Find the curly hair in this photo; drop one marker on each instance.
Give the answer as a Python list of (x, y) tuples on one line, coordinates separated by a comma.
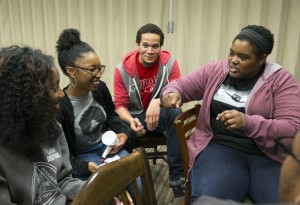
[(25, 119), (70, 48), (149, 28), (263, 32)]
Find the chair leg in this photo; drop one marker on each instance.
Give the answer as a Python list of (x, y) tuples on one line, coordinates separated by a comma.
[(155, 154)]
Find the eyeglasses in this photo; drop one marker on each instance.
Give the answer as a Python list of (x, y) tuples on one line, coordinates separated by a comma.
[(94, 71), (285, 149)]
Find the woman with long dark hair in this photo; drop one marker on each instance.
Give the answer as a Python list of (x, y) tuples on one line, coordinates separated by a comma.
[(34, 156)]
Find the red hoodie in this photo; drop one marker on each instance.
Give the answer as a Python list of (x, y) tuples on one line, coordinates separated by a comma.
[(121, 98)]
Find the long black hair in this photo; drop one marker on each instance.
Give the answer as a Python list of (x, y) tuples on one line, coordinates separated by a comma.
[(25, 106)]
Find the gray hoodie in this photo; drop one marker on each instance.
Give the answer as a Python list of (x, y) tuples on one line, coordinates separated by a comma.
[(48, 181)]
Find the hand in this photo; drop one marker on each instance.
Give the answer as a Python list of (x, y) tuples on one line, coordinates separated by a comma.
[(137, 127), (92, 166), (152, 114), (172, 100), (232, 119), (122, 140)]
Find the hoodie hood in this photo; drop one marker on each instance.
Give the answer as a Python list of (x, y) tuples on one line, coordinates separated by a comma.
[(129, 61)]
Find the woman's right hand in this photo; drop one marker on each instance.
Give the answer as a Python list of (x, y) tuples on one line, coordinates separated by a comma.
[(92, 167), (172, 100)]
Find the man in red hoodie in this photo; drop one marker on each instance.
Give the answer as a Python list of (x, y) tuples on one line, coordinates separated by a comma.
[(138, 81)]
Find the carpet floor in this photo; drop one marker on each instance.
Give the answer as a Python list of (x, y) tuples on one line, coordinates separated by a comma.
[(160, 175)]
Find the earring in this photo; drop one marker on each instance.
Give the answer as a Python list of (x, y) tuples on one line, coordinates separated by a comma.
[(74, 84)]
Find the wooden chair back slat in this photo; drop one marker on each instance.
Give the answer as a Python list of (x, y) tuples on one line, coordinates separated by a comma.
[(112, 179), (185, 125)]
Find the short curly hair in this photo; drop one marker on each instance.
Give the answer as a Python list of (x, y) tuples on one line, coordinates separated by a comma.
[(25, 105), (149, 28)]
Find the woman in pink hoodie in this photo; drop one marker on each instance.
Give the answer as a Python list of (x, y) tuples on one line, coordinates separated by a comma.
[(247, 102)]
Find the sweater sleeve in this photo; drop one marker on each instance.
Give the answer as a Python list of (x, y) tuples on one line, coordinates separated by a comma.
[(106, 100), (121, 98), (5, 197), (69, 186), (113, 121), (190, 87), (280, 115)]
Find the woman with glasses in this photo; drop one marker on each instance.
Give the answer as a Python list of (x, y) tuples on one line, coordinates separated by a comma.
[(247, 102), (87, 110)]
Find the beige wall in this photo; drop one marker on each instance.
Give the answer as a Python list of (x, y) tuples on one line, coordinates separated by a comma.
[(203, 29)]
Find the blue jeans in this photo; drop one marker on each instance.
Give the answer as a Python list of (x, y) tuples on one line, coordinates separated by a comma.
[(166, 124), (94, 154), (227, 173)]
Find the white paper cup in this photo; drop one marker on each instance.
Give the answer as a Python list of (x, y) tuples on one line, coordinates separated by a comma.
[(110, 138), (106, 151)]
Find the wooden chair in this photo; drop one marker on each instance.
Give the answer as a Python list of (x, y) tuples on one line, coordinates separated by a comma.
[(112, 179), (185, 124), (152, 141)]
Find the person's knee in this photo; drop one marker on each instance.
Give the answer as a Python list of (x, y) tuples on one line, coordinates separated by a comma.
[(174, 111), (130, 143), (171, 114)]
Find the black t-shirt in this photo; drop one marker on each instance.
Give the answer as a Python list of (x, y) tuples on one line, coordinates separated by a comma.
[(232, 95)]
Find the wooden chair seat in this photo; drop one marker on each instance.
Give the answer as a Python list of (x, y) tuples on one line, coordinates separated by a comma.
[(151, 142), (185, 125), (112, 179)]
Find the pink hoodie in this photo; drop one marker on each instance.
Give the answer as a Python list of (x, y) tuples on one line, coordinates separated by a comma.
[(272, 108)]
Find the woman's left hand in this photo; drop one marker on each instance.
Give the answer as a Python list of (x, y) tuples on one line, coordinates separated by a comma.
[(232, 119), (122, 140)]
